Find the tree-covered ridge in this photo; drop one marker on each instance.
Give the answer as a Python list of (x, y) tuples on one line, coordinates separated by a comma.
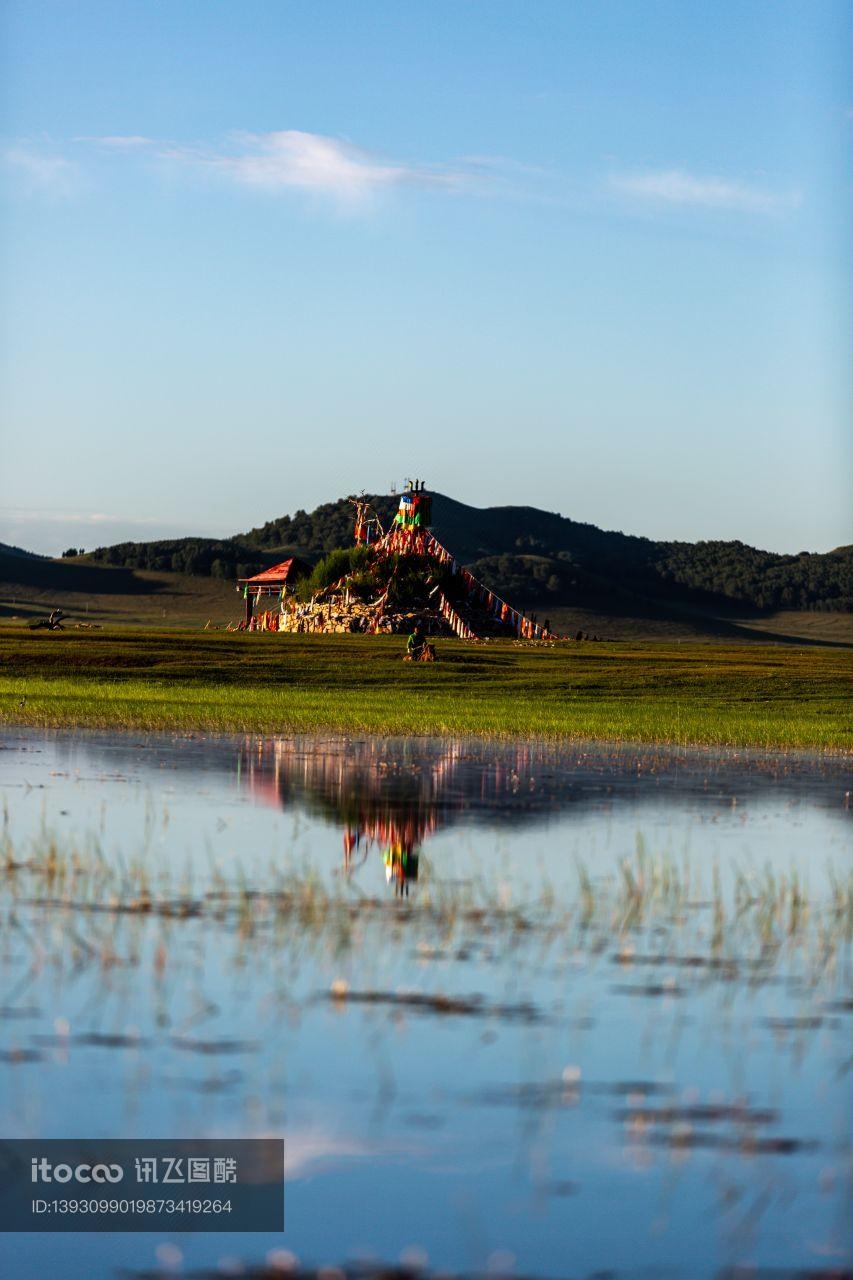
[(208, 557), (326, 528), (737, 572), (532, 558), (6, 549)]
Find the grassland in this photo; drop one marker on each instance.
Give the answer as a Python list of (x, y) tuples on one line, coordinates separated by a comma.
[(706, 694), (102, 596), (99, 596)]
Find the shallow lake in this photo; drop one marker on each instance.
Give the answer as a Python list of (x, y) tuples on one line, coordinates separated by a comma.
[(515, 1008)]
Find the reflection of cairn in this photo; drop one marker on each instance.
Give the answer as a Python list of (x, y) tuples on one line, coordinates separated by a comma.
[(399, 841), (374, 783), (387, 796), (401, 866), (380, 801)]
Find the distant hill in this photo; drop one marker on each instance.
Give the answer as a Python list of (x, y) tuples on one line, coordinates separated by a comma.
[(535, 558), (7, 550), (23, 569), (225, 558)]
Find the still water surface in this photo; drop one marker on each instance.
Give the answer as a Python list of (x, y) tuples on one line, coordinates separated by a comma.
[(582, 1021)]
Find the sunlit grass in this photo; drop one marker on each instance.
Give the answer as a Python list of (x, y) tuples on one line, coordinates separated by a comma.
[(715, 695)]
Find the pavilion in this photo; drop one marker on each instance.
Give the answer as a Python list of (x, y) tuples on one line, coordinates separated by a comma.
[(271, 582)]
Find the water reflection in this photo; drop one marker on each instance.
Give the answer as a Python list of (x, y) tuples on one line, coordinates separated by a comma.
[(383, 799), (391, 795), (525, 1042)]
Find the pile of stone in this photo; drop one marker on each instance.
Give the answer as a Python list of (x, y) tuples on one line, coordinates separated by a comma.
[(356, 616)]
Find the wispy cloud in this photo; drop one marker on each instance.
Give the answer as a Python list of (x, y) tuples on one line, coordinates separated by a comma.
[(291, 159), (313, 162), (680, 188), (121, 141), (337, 170), (49, 530), (53, 516), (40, 169)]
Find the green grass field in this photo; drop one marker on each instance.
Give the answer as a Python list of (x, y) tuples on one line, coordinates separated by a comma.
[(712, 694)]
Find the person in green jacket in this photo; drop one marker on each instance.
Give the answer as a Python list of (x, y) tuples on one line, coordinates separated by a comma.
[(415, 643)]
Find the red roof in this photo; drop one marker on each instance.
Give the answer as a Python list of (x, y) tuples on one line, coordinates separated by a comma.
[(277, 574)]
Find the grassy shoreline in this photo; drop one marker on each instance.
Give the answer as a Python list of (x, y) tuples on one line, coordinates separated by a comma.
[(703, 694)]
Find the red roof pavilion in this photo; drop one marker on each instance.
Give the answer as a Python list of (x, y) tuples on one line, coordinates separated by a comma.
[(271, 581), (278, 575)]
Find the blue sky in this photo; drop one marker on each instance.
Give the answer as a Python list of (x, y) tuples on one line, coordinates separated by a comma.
[(590, 257)]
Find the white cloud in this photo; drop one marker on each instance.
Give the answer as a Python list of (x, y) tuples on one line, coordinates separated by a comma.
[(41, 170), (680, 188), (291, 159)]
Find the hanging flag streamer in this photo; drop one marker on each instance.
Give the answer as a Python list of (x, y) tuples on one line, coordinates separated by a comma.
[(525, 627), (458, 625)]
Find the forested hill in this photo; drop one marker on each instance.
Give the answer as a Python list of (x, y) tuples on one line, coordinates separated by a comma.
[(533, 556), (7, 550)]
